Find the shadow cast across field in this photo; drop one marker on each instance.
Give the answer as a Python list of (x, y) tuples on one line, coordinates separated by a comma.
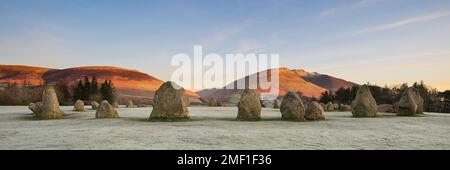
[(30, 117), (203, 118), (383, 115)]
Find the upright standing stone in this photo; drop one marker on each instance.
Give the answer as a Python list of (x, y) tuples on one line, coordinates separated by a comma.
[(292, 107), (213, 102), (94, 105), (105, 110), (344, 107), (50, 105), (35, 107), (330, 107), (249, 107), (78, 106), (275, 104), (410, 103), (130, 104), (364, 104), (169, 103), (314, 111), (115, 104)]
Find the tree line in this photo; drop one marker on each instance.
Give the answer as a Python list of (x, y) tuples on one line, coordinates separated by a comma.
[(89, 90), (86, 89), (434, 101)]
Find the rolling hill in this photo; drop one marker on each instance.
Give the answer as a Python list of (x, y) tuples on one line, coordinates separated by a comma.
[(309, 84)]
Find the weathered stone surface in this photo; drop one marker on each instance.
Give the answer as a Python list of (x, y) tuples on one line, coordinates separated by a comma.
[(276, 104), (35, 107), (249, 107), (324, 106), (314, 111), (78, 106), (130, 104), (292, 107), (364, 105), (330, 107), (345, 108), (115, 104), (410, 103), (213, 102), (50, 105), (386, 108), (170, 103), (105, 110), (94, 105)]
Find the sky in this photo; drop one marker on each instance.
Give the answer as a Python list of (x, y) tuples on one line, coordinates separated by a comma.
[(384, 42)]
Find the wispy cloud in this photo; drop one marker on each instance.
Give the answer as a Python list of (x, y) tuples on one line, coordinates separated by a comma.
[(245, 46), (356, 4), (224, 34), (404, 22)]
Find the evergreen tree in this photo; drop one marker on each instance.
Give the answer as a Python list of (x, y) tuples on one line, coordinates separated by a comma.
[(326, 96), (86, 89), (107, 91), (94, 86), (78, 91)]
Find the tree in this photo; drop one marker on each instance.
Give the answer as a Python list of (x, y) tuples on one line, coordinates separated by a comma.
[(343, 95), (62, 91), (326, 96), (78, 91), (86, 89), (107, 91), (94, 91), (94, 86)]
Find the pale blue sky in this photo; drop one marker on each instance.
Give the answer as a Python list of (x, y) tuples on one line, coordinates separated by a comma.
[(377, 41)]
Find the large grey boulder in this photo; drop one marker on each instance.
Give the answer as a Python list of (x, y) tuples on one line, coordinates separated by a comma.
[(314, 111), (78, 106), (105, 110), (292, 107), (249, 107), (364, 105), (170, 103), (50, 105), (410, 103)]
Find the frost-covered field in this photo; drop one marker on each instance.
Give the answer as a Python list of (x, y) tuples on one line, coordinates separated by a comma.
[(215, 128)]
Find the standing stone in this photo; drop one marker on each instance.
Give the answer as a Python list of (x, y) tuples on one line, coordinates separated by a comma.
[(275, 104), (105, 110), (94, 105), (386, 108), (344, 107), (78, 106), (249, 107), (410, 103), (324, 106), (170, 103), (35, 107), (314, 111), (292, 107), (364, 104), (115, 105), (130, 104), (335, 106), (213, 102), (330, 107), (50, 105)]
